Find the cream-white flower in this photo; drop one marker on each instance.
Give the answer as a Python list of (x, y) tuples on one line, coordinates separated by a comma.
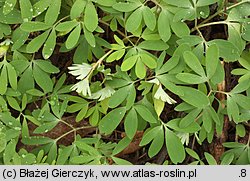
[(82, 87), (162, 95), (80, 70), (103, 93)]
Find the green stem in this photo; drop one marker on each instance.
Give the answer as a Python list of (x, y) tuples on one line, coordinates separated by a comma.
[(99, 62), (208, 24), (71, 131)]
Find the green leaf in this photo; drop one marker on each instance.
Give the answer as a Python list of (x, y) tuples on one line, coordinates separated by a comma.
[(150, 134), (73, 37), (189, 118), (170, 64), (19, 37), (3, 80), (35, 92), (205, 2), (127, 7), (183, 3), (145, 113), (26, 9), (140, 69), (117, 55), (109, 122), (190, 78), (156, 144), (106, 3), (192, 128), (82, 159), (129, 63), (193, 62), (13, 103), (120, 161), (77, 9), (64, 154), (52, 155), (89, 37), (210, 159), (174, 146), (159, 106), (42, 79), (180, 29), (118, 97), (12, 76), (37, 140), (131, 123), (66, 26), (40, 6), (227, 50), (240, 130), (232, 109), (3, 142), (47, 66), (90, 17), (53, 12), (241, 100), (49, 45), (134, 20), (192, 153), (12, 18), (149, 18), (148, 60), (94, 118), (157, 45), (45, 127), (122, 144), (131, 97), (164, 26), (8, 6), (227, 159), (207, 121), (26, 81), (34, 26), (212, 60), (86, 147), (10, 121), (200, 101), (36, 43)]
